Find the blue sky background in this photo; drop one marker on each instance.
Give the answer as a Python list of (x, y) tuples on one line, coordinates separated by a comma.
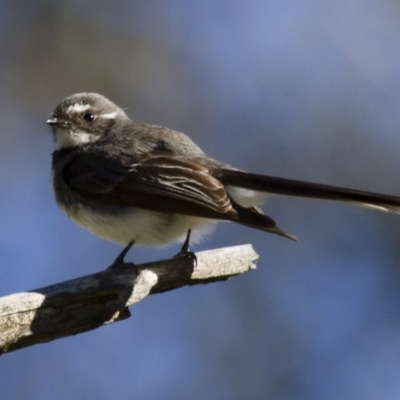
[(306, 90)]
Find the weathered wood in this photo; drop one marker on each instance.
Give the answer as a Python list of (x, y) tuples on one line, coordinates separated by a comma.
[(86, 303)]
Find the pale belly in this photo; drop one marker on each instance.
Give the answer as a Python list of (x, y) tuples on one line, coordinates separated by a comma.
[(144, 227)]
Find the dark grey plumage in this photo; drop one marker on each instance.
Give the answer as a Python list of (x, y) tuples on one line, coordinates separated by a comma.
[(128, 181)]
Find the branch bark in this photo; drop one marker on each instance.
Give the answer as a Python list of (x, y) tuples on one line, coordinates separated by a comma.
[(86, 303)]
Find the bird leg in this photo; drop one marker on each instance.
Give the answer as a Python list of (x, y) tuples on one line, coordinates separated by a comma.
[(119, 261), (185, 249)]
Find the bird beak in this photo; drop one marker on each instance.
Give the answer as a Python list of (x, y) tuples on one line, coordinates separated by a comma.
[(57, 122), (53, 122)]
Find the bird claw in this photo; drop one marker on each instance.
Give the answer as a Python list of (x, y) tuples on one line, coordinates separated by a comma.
[(185, 249), (119, 261)]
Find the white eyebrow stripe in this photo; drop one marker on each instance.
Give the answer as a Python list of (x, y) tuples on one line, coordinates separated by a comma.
[(111, 115), (79, 107)]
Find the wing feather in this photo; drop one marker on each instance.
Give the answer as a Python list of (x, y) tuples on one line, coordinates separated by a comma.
[(182, 186)]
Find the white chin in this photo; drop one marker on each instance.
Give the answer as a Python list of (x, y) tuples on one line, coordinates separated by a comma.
[(66, 139)]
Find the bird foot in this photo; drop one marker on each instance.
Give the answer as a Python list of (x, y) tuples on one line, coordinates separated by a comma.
[(119, 261), (185, 249)]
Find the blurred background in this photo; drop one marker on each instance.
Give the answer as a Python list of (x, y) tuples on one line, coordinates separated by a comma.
[(306, 90)]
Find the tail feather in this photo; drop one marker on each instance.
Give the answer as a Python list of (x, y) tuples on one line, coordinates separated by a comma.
[(253, 217), (289, 187)]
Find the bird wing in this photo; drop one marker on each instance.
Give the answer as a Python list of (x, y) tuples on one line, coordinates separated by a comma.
[(156, 181), (160, 182)]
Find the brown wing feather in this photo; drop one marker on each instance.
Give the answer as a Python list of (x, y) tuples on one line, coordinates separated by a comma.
[(161, 181), (181, 186)]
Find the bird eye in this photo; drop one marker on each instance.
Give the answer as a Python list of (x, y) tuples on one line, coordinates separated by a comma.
[(89, 117)]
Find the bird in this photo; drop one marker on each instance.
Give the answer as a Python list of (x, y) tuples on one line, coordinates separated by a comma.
[(134, 183)]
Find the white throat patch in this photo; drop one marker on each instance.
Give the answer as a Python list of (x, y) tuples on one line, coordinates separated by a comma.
[(65, 138)]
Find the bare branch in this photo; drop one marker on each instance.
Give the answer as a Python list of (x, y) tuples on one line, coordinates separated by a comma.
[(91, 301)]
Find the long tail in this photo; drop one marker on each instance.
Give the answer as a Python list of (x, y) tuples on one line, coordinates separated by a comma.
[(289, 187)]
